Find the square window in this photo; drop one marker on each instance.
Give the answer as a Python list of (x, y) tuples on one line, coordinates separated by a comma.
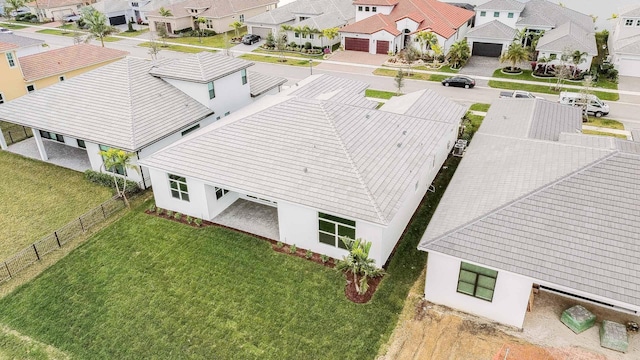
[(477, 281), (81, 144), (212, 91), (227, 113), (31, 88), (627, 22), (366, 8), (553, 56), (374, 9), (296, 35), (178, 186), (243, 73), (510, 15), (61, 78), (496, 14), (220, 192), (359, 8), (483, 13), (331, 228)]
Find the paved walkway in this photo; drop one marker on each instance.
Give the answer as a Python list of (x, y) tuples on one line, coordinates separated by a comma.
[(251, 217), (59, 154)]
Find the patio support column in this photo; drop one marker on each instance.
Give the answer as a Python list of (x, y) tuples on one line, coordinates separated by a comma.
[(40, 144), (3, 142)]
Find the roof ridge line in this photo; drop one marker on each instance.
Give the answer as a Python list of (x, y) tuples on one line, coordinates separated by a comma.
[(520, 198), (353, 164)]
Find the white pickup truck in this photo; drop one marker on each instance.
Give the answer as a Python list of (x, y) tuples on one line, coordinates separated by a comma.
[(518, 94)]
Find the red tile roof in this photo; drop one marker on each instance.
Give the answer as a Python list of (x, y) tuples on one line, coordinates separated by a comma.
[(376, 2), (372, 25), (442, 18), (60, 61), (4, 47)]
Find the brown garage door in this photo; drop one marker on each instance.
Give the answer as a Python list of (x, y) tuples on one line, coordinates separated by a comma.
[(382, 47), (356, 44)]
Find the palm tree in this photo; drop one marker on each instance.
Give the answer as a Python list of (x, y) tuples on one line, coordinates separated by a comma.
[(424, 38), (13, 5), (201, 21), (514, 54), (330, 33), (236, 25), (96, 23), (458, 54), (115, 159), (359, 264), (298, 30)]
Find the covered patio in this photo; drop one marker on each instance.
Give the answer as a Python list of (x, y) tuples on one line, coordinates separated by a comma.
[(251, 217), (57, 153)]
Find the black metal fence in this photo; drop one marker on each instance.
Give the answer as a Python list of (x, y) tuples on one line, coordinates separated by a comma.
[(15, 133), (34, 252)]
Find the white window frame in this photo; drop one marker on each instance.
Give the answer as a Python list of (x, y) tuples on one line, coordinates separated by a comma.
[(10, 59), (243, 73), (178, 192), (628, 22), (483, 13), (329, 219), (220, 192), (496, 14), (30, 91)]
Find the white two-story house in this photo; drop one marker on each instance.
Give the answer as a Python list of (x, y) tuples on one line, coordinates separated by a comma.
[(624, 42)]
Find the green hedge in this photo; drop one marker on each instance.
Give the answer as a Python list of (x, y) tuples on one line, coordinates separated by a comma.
[(107, 180)]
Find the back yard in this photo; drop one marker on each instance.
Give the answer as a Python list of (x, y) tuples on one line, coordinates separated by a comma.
[(37, 198)]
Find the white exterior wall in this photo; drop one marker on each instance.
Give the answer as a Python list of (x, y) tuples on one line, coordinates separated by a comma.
[(384, 36), (584, 66), (510, 297), (627, 65), (231, 94), (406, 23), (503, 18), (360, 15), (197, 204)]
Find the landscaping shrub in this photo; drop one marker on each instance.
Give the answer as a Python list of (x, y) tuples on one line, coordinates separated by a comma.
[(152, 208), (293, 44), (307, 45), (324, 258), (189, 220), (308, 254), (107, 180), (177, 216), (279, 244), (198, 222), (293, 249), (170, 213)]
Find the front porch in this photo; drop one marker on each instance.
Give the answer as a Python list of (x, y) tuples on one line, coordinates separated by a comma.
[(251, 217), (58, 153)]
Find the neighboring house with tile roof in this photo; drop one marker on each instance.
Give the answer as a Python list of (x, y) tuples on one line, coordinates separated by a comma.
[(564, 29), (383, 26), (536, 204), (321, 156), (26, 45), (135, 106), (56, 9), (317, 14), (624, 42), (218, 13), (46, 68)]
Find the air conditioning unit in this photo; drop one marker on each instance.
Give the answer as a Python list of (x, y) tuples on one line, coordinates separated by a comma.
[(458, 149)]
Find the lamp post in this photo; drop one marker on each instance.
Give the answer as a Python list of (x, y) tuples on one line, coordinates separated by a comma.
[(311, 66)]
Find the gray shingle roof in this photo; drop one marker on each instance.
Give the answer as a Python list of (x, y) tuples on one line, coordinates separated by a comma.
[(568, 36), (492, 30), (261, 83), (340, 158), (119, 104), (342, 11), (326, 87), (563, 212), (546, 13), (635, 134), (325, 21), (20, 41), (630, 11), (202, 67), (629, 45), (506, 5), (426, 104)]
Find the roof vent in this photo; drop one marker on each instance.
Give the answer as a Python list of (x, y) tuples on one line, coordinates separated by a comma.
[(367, 116), (404, 132), (305, 170), (399, 144)]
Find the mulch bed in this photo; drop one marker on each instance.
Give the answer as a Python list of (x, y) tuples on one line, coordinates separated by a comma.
[(302, 253), (352, 294), (182, 219)]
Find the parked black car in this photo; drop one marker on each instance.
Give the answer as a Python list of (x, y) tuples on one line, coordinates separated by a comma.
[(250, 39), (459, 81)]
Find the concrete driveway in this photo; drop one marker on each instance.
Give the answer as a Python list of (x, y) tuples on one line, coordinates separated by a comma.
[(355, 57), (481, 66), (242, 48), (629, 83)]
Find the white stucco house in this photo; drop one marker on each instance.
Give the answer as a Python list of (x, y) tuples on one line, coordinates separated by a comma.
[(316, 14), (565, 30), (56, 9), (25, 45), (383, 26), (320, 158), (135, 106), (117, 12), (535, 203), (624, 42)]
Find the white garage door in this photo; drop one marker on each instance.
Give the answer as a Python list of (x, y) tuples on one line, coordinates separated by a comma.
[(629, 67), (262, 31)]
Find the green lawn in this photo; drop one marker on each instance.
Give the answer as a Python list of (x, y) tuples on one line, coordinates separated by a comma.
[(605, 123), (133, 33), (602, 133), (276, 60), (549, 82), (413, 76), (146, 287), (38, 198), (216, 41), (13, 26), (179, 48), (290, 54), (480, 107), (379, 94), (67, 33)]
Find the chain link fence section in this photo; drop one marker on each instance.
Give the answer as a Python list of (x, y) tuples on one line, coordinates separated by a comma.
[(34, 252)]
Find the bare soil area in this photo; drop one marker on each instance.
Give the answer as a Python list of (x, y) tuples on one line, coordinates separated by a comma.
[(429, 331)]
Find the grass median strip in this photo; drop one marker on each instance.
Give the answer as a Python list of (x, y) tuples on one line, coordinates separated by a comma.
[(412, 76), (277, 60), (179, 48), (602, 133), (379, 94), (605, 123)]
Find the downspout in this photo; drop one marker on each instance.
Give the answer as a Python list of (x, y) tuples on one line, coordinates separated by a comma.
[(141, 172)]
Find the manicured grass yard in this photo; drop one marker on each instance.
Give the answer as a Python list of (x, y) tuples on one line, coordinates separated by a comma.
[(179, 48), (605, 123), (67, 33), (37, 198), (602, 133), (133, 33), (414, 75), (480, 107), (379, 94), (151, 288), (12, 26), (216, 41), (276, 60)]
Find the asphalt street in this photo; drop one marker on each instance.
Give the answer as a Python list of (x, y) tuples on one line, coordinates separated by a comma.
[(628, 112)]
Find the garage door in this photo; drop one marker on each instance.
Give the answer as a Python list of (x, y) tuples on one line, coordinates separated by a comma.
[(356, 44), (382, 47), (260, 31), (486, 49), (117, 20), (629, 67)]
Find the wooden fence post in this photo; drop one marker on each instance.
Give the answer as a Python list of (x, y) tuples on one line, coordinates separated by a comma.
[(36, 251), (7, 267), (57, 239), (81, 226)]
